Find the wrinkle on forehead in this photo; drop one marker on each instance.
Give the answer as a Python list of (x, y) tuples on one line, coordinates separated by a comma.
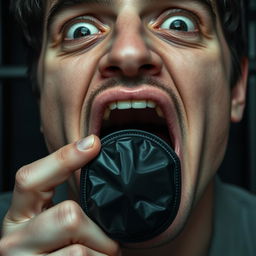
[(51, 3), (82, 1), (55, 7), (66, 2)]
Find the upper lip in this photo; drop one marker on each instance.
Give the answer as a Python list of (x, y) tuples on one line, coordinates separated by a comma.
[(144, 92)]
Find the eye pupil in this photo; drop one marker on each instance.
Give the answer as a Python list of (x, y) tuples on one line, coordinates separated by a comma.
[(179, 25), (81, 31)]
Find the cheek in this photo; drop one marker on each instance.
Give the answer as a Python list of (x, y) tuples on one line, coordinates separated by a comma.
[(199, 75), (201, 78), (207, 103), (63, 91)]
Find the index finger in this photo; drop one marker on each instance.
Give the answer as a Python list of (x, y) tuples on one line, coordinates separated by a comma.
[(35, 183)]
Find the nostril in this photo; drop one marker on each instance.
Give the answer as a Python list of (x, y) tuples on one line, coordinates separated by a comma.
[(150, 69), (111, 71), (147, 67)]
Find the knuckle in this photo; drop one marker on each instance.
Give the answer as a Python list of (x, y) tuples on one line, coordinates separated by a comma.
[(77, 250), (70, 216), (62, 154), (22, 178)]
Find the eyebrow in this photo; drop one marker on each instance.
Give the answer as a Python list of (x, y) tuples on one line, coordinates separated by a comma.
[(61, 5), (210, 6)]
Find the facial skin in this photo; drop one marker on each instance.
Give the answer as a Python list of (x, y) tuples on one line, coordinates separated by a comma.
[(132, 54)]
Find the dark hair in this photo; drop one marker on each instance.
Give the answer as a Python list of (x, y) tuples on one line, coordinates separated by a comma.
[(30, 15), (232, 17)]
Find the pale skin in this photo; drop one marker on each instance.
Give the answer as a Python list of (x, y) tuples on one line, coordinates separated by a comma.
[(130, 40)]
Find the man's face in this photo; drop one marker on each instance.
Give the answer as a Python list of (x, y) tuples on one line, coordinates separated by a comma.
[(160, 65)]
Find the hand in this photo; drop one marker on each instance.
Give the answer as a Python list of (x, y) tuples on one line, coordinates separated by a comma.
[(33, 226)]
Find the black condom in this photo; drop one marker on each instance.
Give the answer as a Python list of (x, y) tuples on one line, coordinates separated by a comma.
[(132, 189)]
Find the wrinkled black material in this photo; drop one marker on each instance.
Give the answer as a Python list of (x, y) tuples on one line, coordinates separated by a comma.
[(132, 189)]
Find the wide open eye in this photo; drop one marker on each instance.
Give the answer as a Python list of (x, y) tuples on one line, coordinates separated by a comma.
[(81, 29), (179, 23)]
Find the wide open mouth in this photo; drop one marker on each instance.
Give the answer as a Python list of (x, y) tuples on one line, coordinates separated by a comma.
[(140, 114), (145, 108)]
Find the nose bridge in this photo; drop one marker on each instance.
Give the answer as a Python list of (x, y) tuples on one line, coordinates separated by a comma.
[(129, 39), (129, 52)]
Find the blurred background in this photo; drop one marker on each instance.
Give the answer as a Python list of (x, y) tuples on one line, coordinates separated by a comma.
[(21, 141)]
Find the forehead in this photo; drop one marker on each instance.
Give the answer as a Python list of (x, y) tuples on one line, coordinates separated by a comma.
[(59, 4)]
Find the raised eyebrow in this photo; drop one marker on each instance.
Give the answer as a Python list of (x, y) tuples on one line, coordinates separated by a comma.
[(62, 5), (210, 5)]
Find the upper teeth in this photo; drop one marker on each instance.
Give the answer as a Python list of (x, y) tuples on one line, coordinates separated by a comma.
[(129, 104)]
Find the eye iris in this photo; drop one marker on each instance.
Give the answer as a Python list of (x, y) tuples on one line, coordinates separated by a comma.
[(179, 25), (81, 31)]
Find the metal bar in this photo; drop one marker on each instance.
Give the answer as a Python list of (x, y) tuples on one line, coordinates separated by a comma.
[(12, 72), (252, 66), (1, 103), (252, 133), (252, 96), (252, 40), (252, 5)]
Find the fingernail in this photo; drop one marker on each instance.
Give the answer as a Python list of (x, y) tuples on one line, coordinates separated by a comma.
[(85, 143)]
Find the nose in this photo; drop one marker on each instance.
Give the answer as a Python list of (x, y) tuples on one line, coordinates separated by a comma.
[(129, 54)]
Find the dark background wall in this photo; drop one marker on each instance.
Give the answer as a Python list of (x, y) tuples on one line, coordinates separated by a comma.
[(20, 138)]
